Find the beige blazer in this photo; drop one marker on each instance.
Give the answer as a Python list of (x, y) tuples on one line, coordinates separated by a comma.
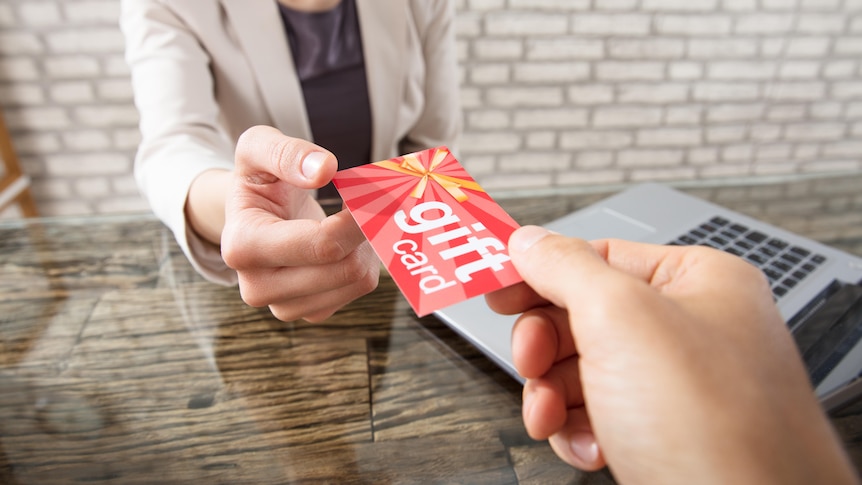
[(203, 71)]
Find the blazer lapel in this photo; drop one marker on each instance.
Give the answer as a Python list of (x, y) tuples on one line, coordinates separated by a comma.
[(384, 44), (258, 27)]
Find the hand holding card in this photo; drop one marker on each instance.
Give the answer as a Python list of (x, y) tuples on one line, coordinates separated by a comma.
[(440, 235)]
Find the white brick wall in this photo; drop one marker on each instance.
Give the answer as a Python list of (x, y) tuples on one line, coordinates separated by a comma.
[(556, 93), (669, 89), (65, 91)]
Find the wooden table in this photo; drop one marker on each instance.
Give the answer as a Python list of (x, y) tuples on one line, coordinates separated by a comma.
[(118, 364)]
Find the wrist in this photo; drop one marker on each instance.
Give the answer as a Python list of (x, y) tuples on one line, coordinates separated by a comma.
[(205, 204)]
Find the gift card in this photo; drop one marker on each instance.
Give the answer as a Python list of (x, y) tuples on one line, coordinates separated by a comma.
[(440, 235)]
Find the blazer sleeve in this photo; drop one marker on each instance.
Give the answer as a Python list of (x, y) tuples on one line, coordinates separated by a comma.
[(439, 123), (180, 135)]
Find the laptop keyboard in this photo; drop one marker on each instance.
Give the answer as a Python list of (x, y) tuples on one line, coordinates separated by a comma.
[(784, 264)]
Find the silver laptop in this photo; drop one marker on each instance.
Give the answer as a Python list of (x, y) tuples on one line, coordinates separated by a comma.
[(817, 288)]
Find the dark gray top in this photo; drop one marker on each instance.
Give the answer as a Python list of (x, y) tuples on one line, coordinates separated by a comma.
[(327, 52)]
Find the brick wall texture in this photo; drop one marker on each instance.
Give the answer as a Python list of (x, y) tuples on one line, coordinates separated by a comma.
[(557, 94)]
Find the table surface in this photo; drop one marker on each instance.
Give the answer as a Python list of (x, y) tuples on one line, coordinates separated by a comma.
[(118, 364)]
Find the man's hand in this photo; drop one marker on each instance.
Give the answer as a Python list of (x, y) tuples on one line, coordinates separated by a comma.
[(670, 364)]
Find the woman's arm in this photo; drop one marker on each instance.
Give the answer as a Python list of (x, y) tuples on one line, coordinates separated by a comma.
[(440, 121), (183, 156)]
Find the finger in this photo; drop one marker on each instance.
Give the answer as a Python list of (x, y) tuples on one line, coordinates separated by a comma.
[(299, 242), (319, 307), (540, 338), (544, 411), (560, 268), (548, 398), (514, 299), (678, 271), (654, 264), (637, 259), (576, 444), (265, 155), (262, 287), (658, 265), (565, 267), (566, 376)]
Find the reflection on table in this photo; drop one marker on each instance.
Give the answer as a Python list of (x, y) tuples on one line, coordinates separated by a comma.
[(118, 364)]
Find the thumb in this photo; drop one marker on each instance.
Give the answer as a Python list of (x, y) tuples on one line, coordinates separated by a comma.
[(558, 268), (265, 155)]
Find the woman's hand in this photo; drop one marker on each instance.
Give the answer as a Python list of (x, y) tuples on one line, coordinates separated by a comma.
[(288, 254)]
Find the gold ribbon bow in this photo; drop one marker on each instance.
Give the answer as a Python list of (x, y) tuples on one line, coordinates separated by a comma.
[(411, 165)]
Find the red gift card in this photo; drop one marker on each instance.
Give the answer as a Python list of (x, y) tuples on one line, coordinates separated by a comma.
[(441, 236)]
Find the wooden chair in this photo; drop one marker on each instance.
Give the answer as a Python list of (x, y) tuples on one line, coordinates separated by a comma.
[(14, 184)]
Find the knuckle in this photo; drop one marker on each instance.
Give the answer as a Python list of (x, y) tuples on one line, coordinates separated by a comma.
[(282, 153), (369, 282), (328, 250), (251, 297), (354, 269), (230, 255), (365, 285), (232, 252), (362, 268), (282, 313), (319, 316), (246, 138)]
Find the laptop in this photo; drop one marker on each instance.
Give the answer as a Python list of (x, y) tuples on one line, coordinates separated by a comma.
[(818, 289)]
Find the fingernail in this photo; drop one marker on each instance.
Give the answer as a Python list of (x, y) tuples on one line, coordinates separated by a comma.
[(526, 236), (311, 164), (584, 446)]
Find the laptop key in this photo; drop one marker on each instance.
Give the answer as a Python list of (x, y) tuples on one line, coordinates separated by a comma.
[(777, 243), (768, 251), (790, 258), (772, 274), (687, 240), (756, 236), (734, 251), (801, 252), (774, 256), (756, 258), (782, 266), (742, 243)]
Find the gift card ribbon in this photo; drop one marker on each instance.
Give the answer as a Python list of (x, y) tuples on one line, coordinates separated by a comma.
[(411, 165)]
